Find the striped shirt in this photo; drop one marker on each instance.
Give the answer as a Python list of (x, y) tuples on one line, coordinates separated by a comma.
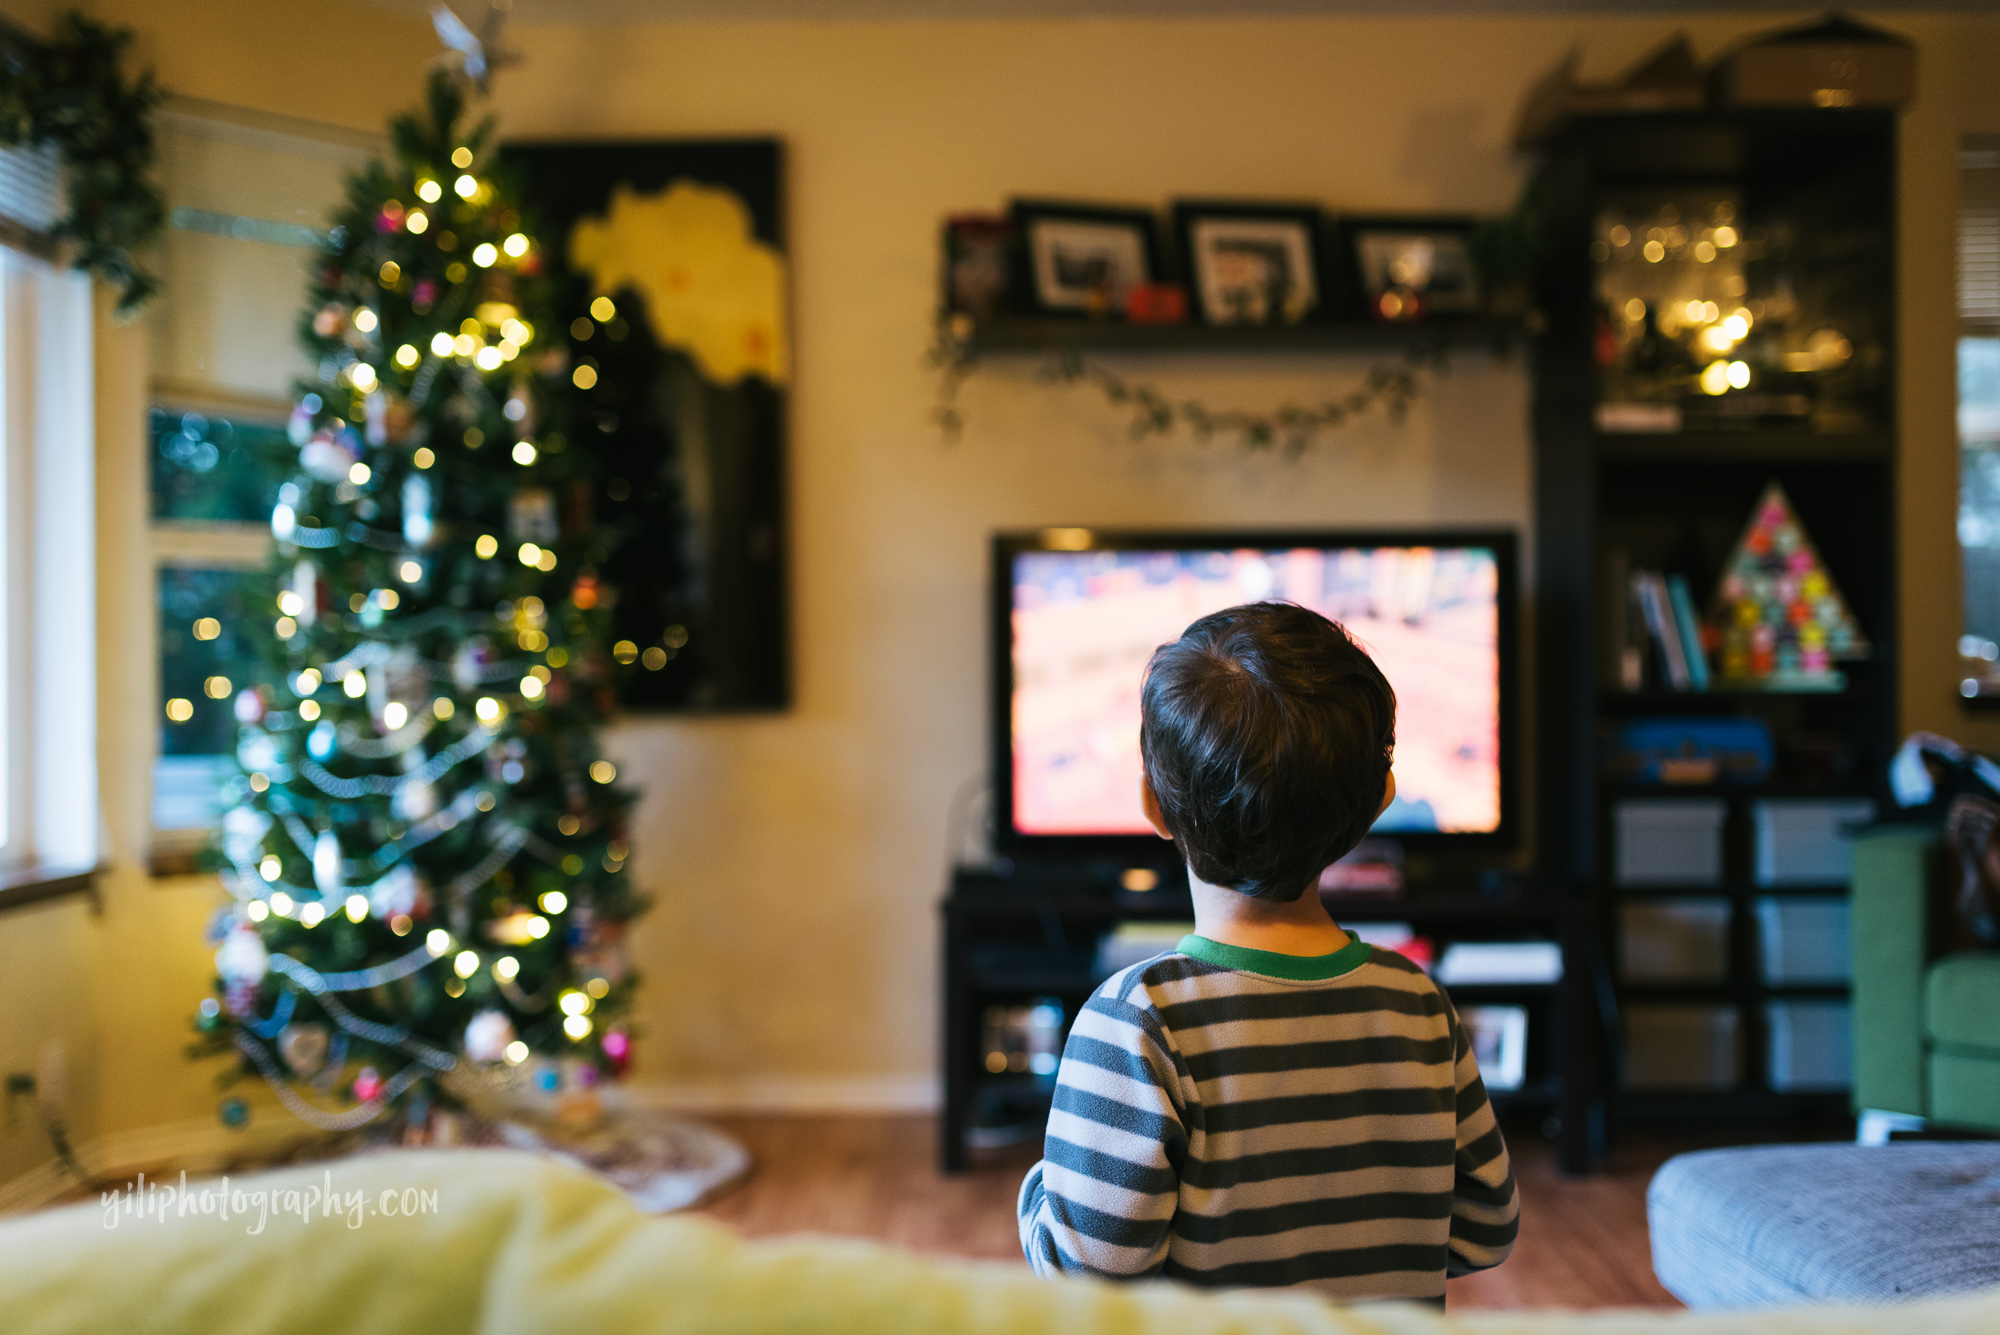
[(1235, 1117)]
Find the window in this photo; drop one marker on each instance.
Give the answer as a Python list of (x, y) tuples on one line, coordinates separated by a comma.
[(246, 195), (213, 482), (48, 703), (1979, 411)]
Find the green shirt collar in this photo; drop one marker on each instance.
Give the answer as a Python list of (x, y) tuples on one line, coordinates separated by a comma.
[(1294, 968)]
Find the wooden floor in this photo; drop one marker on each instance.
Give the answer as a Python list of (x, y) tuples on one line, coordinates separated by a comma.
[(1583, 1240)]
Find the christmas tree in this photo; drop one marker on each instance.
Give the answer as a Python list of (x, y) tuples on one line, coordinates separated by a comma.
[(425, 848)]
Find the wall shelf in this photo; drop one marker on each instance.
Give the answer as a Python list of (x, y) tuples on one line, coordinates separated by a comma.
[(1046, 334), (1750, 447)]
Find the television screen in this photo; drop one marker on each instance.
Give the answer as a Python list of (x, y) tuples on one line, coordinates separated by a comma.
[(1083, 624)]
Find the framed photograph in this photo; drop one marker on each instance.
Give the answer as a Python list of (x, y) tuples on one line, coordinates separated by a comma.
[(1252, 264), (1083, 260), (1409, 268), (977, 249), (1499, 1038)]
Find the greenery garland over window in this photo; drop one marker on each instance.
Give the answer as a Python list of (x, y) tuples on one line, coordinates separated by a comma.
[(70, 93)]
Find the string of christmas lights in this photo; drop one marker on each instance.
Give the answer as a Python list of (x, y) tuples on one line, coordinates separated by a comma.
[(440, 431)]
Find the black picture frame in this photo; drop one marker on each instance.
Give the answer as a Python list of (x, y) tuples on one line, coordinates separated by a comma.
[(1452, 287), (1119, 247), (1285, 242), (978, 272)]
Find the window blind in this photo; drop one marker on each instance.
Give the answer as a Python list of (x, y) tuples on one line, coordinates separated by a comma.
[(1979, 235), (30, 189)]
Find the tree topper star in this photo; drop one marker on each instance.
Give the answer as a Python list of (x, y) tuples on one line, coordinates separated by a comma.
[(476, 54)]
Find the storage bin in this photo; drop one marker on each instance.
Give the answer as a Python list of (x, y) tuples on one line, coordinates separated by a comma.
[(1803, 940), (1812, 1045), (1693, 1048), (1662, 842), (1807, 841), (1674, 940)]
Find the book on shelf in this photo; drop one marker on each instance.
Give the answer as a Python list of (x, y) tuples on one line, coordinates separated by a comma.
[(1688, 626), (1661, 624)]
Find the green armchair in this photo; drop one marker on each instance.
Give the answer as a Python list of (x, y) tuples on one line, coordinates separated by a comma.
[(1926, 1027)]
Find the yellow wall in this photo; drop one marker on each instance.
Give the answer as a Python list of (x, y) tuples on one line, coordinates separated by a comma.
[(796, 859), (800, 857)]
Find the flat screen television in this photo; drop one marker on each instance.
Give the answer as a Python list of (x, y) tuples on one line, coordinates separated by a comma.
[(1077, 613)]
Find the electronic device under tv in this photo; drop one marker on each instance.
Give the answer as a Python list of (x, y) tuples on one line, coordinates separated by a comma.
[(1077, 613)]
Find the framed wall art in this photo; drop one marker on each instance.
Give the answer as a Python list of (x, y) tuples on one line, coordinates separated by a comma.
[(1411, 268), (1252, 264), (1082, 259), (669, 266)]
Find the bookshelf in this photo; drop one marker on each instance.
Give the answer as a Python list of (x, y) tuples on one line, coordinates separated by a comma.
[(1807, 201)]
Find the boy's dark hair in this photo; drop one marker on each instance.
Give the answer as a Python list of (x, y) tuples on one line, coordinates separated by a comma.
[(1267, 735)]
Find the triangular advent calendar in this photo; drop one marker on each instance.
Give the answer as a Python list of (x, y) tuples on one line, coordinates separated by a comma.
[(1778, 619)]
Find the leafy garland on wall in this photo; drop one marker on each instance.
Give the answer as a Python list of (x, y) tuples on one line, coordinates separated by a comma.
[(1391, 387), (71, 94)]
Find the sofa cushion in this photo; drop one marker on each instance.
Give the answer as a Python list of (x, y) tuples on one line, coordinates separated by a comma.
[(1962, 1000), (1965, 1088), (1770, 1226)]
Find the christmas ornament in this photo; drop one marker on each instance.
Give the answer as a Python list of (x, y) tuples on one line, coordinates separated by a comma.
[(368, 1085), (243, 957), (1777, 618), (531, 516), (249, 707), (303, 1045), (235, 1113), (305, 588), (417, 526), (617, 1046), (243, 830), (327, 876), (329, 456), (396, 893), (413, 801), (516, 929), (487, 1036), (468, 664), (256, 752)]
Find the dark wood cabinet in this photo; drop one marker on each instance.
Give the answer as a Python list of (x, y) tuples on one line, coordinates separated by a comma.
[(1654, 439)]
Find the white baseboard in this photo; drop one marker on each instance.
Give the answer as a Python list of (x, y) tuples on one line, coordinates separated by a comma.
[(789, 1094)]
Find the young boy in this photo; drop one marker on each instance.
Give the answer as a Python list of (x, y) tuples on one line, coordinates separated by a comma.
[(1270, 1102)]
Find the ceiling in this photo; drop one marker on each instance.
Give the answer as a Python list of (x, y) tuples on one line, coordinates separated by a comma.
[(535, 13)]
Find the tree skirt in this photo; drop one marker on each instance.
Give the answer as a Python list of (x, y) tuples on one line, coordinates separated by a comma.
[(661, 1162)]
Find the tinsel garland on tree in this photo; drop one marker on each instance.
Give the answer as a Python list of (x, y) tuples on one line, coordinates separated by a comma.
[(426, 850)]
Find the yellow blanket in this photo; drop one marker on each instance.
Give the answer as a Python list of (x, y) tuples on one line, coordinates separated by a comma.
[(501, 1243)]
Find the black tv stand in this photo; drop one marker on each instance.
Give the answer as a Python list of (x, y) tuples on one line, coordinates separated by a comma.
[(1016, 932)]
